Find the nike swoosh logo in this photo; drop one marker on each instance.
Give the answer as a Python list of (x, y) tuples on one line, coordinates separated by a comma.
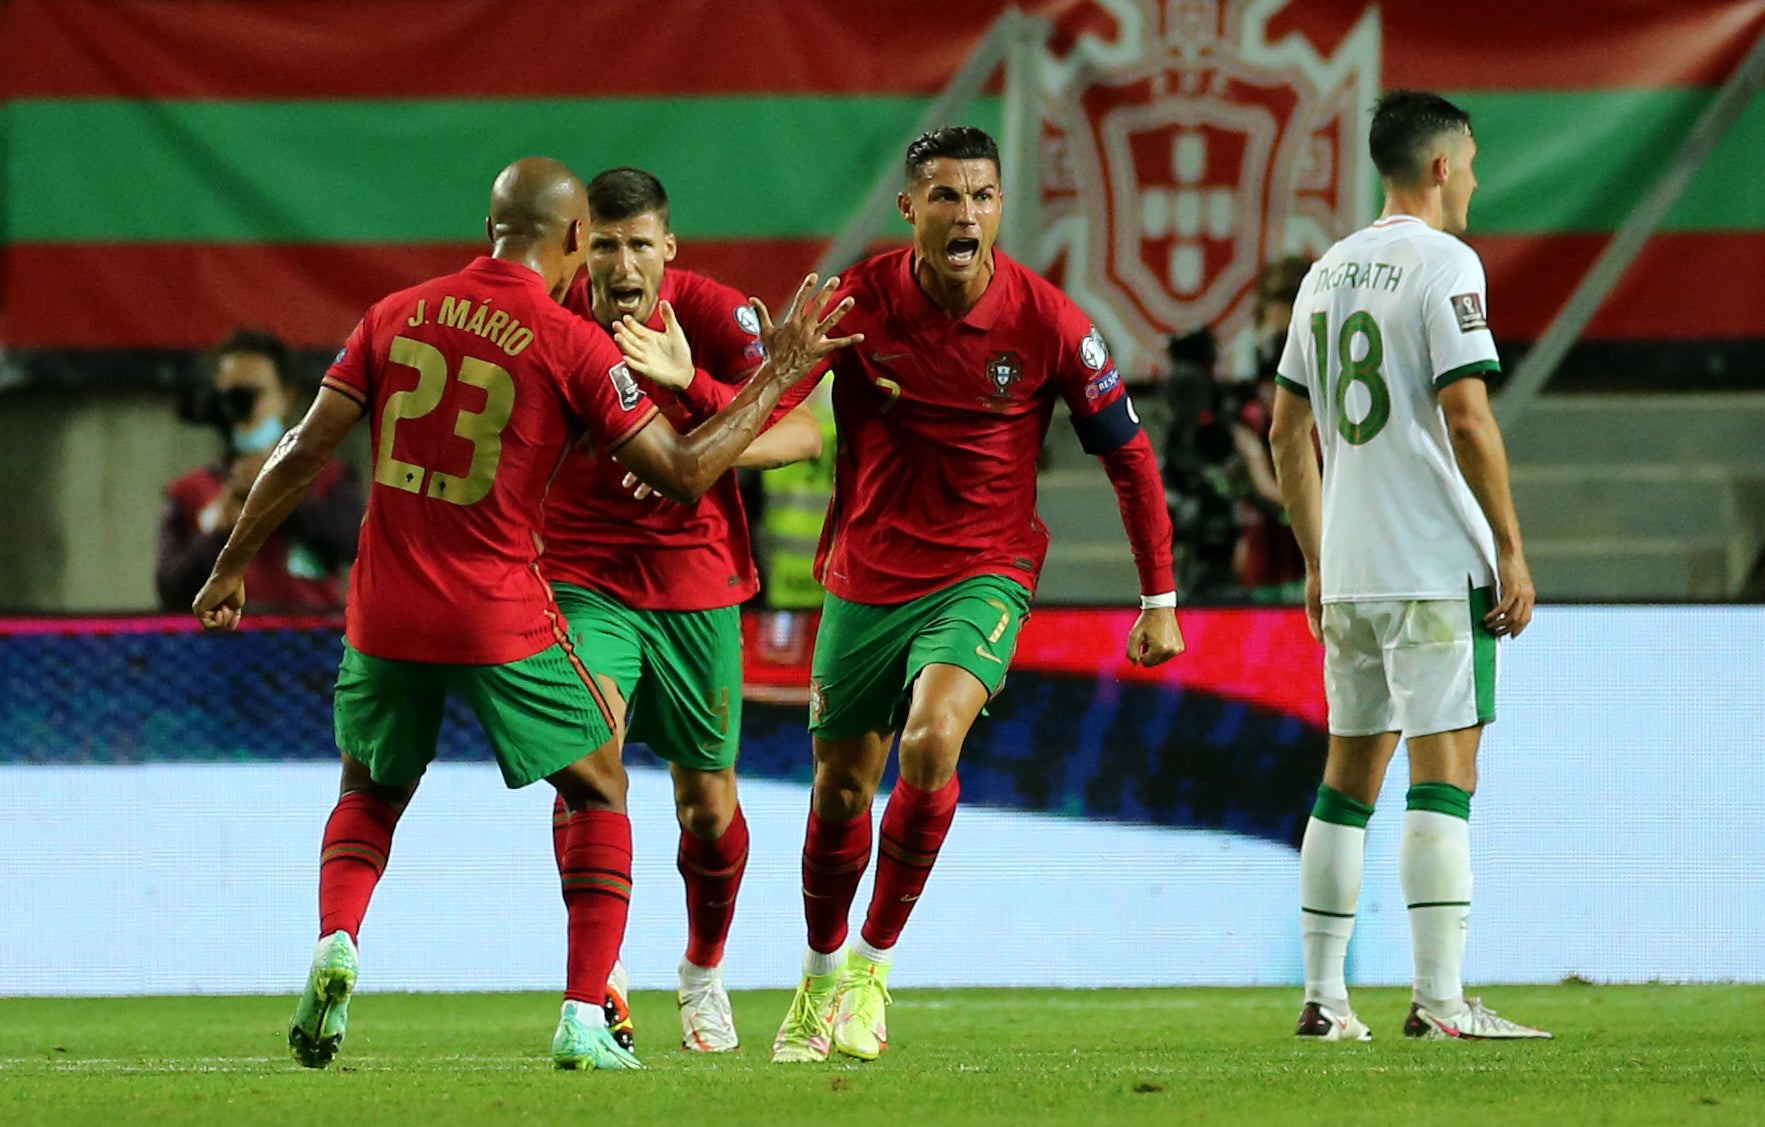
[(910, 898), (888, 358), (982, 650), (719, 903)]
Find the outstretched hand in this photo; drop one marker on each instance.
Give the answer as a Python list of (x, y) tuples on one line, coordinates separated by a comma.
[(664, 357), (799, 341), (1155, 638), (220, 603)]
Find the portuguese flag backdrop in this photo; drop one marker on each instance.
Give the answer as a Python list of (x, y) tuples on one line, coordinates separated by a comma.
[(175, 169)]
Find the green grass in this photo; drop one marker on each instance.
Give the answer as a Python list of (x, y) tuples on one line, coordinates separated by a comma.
[(1651, 1054)]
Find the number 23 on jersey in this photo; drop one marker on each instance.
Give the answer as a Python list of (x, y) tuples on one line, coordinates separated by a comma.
[(483, 429)]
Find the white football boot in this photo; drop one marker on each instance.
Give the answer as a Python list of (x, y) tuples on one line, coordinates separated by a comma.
[(706, 1023), (1471, 1022)]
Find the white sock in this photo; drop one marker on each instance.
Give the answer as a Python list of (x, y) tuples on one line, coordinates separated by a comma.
[(816, 964), (1330, 862), (1435, 866), (881, 956), (587, 1013)]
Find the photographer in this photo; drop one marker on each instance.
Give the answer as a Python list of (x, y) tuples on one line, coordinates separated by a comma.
[(250, 402), (1203, 474), (1233, 543), (1269, 565)]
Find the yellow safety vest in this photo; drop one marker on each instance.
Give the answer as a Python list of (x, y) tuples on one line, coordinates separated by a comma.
[(790, 527)]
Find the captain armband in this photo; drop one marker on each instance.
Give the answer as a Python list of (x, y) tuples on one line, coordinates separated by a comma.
[(1109, 429)]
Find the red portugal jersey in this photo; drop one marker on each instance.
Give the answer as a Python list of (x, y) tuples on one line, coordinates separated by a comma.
[(655, 554), (941, 421), (475, 383)]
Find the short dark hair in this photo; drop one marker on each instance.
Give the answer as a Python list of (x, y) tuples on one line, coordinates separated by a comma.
[(1404, 121), (958, 142), (258, 342), (620, 193)]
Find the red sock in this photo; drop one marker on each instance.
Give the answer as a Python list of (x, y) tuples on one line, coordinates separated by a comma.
[(358, 837), (835, 855), (913, 831), (713, 874), (560, 830), (597, 892)]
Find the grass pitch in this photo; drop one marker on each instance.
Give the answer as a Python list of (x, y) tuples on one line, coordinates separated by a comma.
[(1654, 1054)]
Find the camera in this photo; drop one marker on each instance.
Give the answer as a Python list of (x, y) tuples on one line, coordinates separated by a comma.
[(221, 408), (208, 405), (1204, 475)]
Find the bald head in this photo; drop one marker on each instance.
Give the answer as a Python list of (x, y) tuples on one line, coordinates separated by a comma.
[(535, 200)]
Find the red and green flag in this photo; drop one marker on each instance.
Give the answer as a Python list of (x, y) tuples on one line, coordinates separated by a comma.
[(175, 169)]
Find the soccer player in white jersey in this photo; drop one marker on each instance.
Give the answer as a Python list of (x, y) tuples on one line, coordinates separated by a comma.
[(1413, 561)]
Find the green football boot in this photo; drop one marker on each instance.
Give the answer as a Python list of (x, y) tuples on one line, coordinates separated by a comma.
[(858, 1027), (316, 1032), (577, 1044), (804, 1038)]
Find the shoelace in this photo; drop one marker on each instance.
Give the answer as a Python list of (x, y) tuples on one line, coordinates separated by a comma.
[(804, 1015), (872, 998)]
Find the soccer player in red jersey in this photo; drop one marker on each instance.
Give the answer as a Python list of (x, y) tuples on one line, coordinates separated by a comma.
[(652, 590), (476, 383), (931, 551)]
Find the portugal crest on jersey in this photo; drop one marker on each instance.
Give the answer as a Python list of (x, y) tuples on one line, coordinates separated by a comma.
[(1004, 370), (1200, 141)]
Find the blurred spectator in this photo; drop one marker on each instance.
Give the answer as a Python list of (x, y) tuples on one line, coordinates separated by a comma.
[(251, 403), (1200, 464), (790, 515), (1233, 543), (1267, 561)]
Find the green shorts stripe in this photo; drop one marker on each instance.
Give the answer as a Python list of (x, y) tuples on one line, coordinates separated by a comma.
[(541, 713), (1483, 644), (867, 656), (680, 672)]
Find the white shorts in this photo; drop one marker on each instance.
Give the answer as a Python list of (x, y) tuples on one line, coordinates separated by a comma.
[(1415, 666)]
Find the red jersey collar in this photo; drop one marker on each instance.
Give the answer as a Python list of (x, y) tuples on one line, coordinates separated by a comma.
[(514, 271), (985, 312)]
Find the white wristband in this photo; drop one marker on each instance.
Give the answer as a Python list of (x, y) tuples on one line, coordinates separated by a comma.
[(1158, 602)]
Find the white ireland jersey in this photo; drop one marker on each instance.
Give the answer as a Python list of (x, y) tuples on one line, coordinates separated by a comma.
[(1386, 318)]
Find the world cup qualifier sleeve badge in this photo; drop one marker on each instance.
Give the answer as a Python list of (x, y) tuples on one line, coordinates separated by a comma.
[(1004, 371), (630, 395)]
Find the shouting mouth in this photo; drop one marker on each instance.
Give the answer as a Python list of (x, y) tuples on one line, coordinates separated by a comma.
[(627, 300), (962, 253)]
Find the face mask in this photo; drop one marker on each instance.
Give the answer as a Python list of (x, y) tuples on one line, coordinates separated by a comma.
[(257, 439)]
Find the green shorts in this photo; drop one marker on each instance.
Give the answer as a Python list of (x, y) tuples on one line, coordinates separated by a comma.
[(680, 672), (542, 713), (867, 656)]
